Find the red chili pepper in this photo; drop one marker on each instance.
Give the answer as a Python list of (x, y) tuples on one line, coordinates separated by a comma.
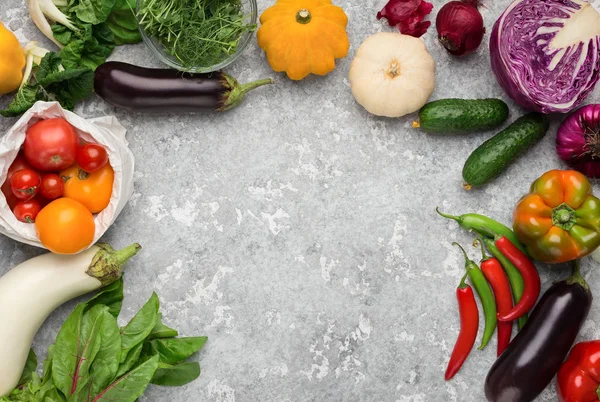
[(469, 324), (494, 273), (531, 279), (578, 379)]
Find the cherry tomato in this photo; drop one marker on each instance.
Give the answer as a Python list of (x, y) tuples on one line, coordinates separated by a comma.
[(52, 186), (25, 184), (26, 211), (51, 145), (92, 157), (65, 226), (19, 163)]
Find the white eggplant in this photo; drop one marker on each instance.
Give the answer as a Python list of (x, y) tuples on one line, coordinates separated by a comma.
[(32, 290)]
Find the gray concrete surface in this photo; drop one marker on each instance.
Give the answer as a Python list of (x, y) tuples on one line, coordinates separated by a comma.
[(299, 233)]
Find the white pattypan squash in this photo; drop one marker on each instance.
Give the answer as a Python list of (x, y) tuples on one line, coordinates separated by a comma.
[(392, 74)]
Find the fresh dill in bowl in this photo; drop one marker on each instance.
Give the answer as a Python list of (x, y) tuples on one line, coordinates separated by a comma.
[(195, 32)]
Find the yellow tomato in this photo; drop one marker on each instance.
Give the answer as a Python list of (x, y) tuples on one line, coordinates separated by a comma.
[(65, 226), (91, 189)]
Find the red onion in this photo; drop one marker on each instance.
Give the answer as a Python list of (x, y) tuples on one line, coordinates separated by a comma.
[(460, 27), (578, 140)]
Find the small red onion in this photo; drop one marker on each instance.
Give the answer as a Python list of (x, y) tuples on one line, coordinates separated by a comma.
[(460, 27), (578, 140)]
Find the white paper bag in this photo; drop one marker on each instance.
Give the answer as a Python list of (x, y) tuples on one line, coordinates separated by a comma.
[(103, 130)]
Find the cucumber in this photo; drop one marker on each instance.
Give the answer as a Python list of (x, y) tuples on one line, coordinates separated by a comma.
[(496, 154), (459, 116)]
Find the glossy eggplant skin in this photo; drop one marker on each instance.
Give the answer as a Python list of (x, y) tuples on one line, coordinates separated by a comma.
[(535, 355), (159, 90)]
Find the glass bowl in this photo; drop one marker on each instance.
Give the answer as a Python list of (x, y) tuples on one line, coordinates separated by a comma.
[(250, 12)]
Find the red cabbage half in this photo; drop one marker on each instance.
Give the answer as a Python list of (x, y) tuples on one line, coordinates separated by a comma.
[(546, 53)]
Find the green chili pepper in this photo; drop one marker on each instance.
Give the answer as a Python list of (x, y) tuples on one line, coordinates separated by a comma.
[(479, 223), (484, 291), (513, 274)]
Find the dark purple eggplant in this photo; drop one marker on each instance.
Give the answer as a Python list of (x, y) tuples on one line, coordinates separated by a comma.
[(533, 358), (166, 90)]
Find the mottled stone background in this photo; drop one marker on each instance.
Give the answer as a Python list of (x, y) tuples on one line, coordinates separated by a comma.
[(298, 232)]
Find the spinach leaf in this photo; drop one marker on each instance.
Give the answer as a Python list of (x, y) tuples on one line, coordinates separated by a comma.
[(139, 327), (23, 100), (93, 11), (176, 375), (104, 367), (47, 365), (30, 368), (111, 296), (75, 351), (174, 350), (160, 330), (66, 351), (130, 386), (132, 358)]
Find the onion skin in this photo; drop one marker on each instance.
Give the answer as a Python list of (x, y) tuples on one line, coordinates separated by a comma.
[(460, 27), (578, 140)]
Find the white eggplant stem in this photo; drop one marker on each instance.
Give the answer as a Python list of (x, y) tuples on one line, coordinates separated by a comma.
[(31, 291)]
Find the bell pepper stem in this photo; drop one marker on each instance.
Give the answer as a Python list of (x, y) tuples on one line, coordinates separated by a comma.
[(576, 276), (598, 392)]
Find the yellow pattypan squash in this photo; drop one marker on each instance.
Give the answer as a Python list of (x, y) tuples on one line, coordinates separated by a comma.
[(12, 61), (303, 37)]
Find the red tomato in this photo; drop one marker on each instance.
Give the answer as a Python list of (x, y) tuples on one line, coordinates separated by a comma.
[(92, 157), (51, 145), (26, 211), (52, 186), (19, 163), (25, 184)]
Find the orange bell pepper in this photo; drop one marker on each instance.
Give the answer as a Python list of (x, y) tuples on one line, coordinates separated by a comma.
[(559, 220), (93, 190)]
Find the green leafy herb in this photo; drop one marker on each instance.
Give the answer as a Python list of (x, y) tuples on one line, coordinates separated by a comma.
[(160, 330), (88, 362), (30, 368), (52, 80), (139, 327), (131, 359), (176, 375), (130, 386), (174, 350), (93, 11), (111, 296), (196, 32), (23, 100)]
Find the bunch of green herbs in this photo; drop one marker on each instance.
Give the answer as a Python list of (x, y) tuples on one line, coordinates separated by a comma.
[(93, 360), (195, 32)]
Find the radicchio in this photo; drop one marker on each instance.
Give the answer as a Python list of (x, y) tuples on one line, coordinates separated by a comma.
[(407, 15), (542, 56)]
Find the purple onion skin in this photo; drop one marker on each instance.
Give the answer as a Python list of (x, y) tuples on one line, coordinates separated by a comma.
[(578, 140)]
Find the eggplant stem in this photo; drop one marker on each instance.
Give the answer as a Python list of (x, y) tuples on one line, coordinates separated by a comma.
[(577, 278), (237, 91), (107, 265)]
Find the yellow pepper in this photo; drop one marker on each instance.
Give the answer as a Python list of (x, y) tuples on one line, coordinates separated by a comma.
[(12, 61)]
